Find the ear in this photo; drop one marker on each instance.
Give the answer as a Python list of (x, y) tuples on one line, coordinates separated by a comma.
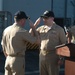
[(52, 18), (22, 20)]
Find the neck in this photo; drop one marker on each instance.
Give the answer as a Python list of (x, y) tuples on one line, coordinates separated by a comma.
[(19, 24)]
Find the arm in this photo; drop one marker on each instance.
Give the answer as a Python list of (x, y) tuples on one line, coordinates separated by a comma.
[(33, 28), (3, 47), (64, 40), (63, 50), (5, 54), (71, 47), (34, 32), (67, 50), (37, 22)]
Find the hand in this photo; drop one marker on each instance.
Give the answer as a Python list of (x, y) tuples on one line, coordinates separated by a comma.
[(37, 22), (60, 62)]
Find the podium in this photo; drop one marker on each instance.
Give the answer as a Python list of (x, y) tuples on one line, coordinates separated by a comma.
[(69, 67), (68, 51)]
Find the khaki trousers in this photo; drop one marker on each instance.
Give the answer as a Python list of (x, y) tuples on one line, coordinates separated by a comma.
[(14, 66), (49, 64)]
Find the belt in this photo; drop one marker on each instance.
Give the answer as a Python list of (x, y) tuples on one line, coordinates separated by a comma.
[(18, 55)]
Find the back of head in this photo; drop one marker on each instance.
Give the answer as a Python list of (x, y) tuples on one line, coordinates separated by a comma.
[(20, 15)]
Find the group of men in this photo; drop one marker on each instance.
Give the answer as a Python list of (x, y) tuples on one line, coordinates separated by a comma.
[(47, 36)]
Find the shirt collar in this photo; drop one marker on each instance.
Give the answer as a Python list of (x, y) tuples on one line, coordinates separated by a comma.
[(50, 27), (16, 24)]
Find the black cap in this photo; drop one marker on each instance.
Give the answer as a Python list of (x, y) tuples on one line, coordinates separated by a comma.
[(47, 14), (20, 15)]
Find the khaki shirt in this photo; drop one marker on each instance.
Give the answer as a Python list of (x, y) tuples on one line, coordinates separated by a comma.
[(15, 38), (51, 37)]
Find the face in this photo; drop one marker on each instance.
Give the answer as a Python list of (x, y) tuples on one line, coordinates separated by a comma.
[(48, 20)]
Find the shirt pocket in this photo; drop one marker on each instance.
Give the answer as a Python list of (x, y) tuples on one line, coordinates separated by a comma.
[(53, 34)]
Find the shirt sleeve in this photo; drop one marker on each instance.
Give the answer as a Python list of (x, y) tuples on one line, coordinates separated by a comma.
[(62, 36), (3, 42), (28, 37)]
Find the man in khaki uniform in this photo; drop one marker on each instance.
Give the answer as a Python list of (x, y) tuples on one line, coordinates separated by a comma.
[(14, 42), (51, 35)]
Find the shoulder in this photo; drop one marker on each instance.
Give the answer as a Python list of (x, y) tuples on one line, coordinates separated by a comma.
[(7, 29), (59, 28), (72, 28)]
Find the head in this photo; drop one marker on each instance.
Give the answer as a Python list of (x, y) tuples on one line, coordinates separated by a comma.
[(20, 17), (48, 17)]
